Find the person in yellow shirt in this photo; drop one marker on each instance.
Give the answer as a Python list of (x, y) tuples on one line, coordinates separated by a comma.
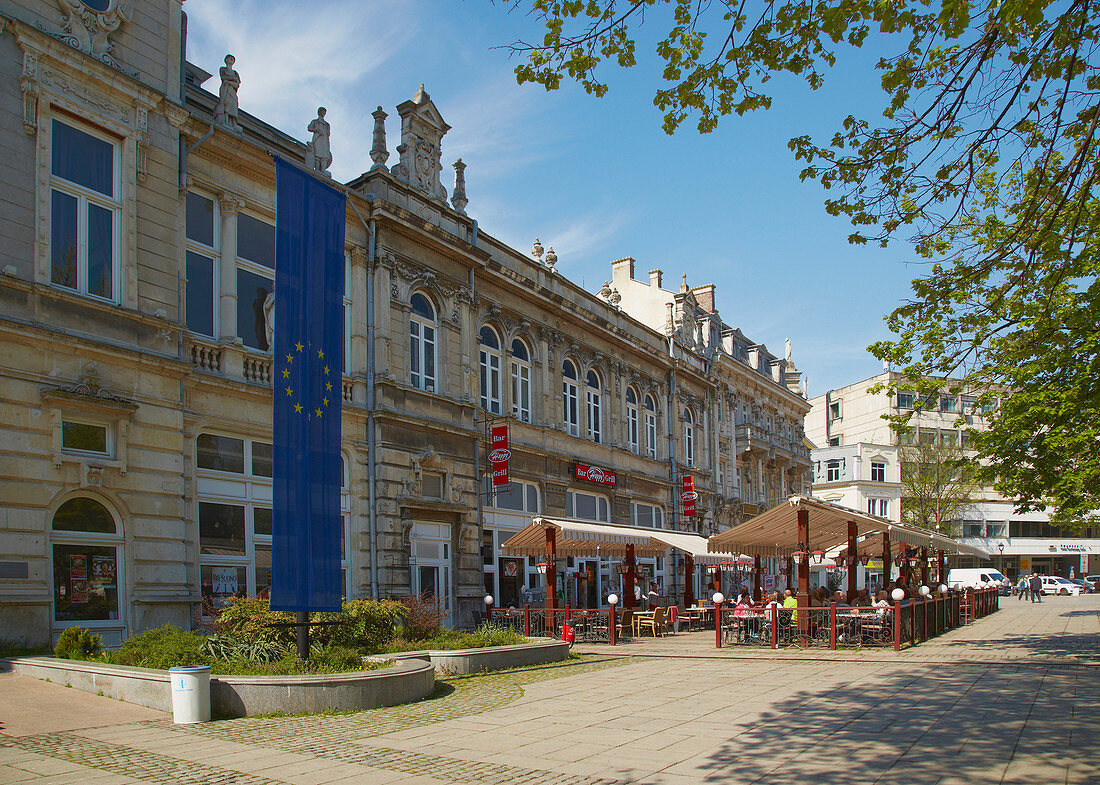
[(790, 602)]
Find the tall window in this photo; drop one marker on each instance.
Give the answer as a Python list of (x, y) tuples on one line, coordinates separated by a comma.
[(233, 485), (647, 515), (832, 471), (651, 426), (521, 381), (86, 545), (569, 395), (878, 471), (689, 438), (422, 329), (490, 370), (85, 210), (632, 419), (587, 506), (202, 250), (255, 278), (592, 394)]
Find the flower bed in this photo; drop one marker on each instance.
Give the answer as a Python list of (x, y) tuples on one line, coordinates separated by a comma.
[(536, 651), (239, 696)]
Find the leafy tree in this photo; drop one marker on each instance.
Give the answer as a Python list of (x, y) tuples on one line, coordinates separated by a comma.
[(986, 158), (937, 485)]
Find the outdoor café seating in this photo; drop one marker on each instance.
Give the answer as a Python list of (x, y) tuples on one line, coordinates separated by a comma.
[(654, 621)]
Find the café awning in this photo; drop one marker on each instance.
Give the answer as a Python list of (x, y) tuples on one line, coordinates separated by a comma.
[(585, 538)]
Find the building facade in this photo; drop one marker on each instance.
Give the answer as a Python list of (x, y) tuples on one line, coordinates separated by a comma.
[(847, 422), (136, 375)]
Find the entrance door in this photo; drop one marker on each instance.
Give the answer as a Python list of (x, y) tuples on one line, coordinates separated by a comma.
[(431, 571)]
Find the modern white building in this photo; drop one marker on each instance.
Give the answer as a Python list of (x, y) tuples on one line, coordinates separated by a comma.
[(848, 423)]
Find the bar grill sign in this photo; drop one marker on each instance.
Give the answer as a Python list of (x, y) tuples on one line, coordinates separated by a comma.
[(499, 455), (688, 494)]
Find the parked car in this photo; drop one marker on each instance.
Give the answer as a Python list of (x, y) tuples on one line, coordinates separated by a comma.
[(1053, 584), (975, 578), (1094, 580), (1086, 587)]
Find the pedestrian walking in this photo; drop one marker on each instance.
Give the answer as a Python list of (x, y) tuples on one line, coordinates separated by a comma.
[(1021, 588), (1036, 586)]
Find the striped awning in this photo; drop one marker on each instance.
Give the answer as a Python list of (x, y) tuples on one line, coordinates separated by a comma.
[(585, 538)]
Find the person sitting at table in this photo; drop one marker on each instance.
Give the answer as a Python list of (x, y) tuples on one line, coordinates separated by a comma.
[(744, 605), (653, 597), (840, 600), (791, 604), (772, 601), (881, 603), (637, 592), (863, 600)]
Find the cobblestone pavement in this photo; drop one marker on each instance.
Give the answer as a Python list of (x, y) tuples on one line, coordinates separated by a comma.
[(1010, 698)]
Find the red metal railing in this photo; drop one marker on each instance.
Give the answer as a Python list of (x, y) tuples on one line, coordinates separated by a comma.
[(589, 625), (905, 623)]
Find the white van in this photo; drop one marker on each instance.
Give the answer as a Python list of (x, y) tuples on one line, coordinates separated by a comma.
[(974, 578)]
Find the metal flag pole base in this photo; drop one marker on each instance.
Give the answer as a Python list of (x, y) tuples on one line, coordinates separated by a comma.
[(302, 635)]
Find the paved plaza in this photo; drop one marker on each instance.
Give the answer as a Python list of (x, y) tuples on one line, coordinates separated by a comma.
[(1011, 698)]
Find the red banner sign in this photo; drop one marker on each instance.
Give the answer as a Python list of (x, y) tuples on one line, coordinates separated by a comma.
[(593, 474), (499, 455), (688, 495)]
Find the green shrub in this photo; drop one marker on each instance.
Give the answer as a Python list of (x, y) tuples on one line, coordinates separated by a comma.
[(423, 617), (162, 647), (77, 643), (225, 647), (366, 625), (248, 619), (449, 640)]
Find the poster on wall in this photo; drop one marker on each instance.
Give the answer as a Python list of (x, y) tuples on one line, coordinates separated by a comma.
[(511, 569), (103, 572), (224, 581), (769, 583), (78, 578)]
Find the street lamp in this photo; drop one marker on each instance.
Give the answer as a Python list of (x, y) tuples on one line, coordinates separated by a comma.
[(1001, 547)]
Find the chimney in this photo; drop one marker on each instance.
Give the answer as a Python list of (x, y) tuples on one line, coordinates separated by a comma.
[(655, 278), (705, 296), (621, 267)]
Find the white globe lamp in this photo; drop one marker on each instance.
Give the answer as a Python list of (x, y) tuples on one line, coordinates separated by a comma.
[(898, 595), (943, 588), (613, 599), (488, 599), (718, 598), (925, 591)]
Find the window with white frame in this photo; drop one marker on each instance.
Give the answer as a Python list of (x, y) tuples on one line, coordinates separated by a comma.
[(255, 278), (689, 437), (647, 515), (905, 399), (569, 396), (86, 438), (85, 211), (202, 272), (86, 544), (422, 332), (883, 508), (878, 471), (832, 471), (490, 379), (651, 426), (593, 400), (517, 496), (587, 506), (632, 419), (521, 381), (233, 488)]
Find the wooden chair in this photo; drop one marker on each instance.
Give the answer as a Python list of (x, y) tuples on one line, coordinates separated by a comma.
[(656, 624), (626, 624)]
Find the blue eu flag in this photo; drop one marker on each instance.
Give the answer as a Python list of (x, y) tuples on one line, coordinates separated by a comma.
[(306, 373)]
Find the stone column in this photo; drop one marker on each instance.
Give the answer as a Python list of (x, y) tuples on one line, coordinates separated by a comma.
[(229, 205)]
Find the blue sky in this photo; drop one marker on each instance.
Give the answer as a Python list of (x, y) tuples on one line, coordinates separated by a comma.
[(596, 178)]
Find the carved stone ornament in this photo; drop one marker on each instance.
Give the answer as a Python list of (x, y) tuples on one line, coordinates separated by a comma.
[(90, 386), (28, 83), (57, 83), (141, 126), (89, 30), (458, 199), (378, 152), (422, 131)]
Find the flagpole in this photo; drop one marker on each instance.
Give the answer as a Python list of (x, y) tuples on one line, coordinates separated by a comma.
[(301, 635)]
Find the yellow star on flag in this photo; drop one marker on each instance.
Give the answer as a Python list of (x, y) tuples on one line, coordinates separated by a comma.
[(325, 401), (328, 385), (318, 412), (297, 408), (286, 373), (290, 358), (320, 355), (289, 391), (326, 370), (298, 346)]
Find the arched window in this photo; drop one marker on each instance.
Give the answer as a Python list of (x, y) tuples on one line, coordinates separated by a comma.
[(521, 381), (490, 370), (87, 578), (632, 419), (569, 395), (651, 426), (592, 396), (422, 331), (689, 438)]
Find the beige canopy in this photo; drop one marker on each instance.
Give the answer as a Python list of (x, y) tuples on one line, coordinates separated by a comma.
[(585, 538), (775, 532)]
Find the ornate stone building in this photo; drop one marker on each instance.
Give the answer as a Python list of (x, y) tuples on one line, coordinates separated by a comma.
[(136, 274)]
